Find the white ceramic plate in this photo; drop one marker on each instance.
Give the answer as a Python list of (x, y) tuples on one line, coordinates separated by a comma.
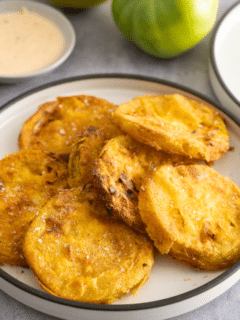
[(224, 60), (173, 288), (52, 15)]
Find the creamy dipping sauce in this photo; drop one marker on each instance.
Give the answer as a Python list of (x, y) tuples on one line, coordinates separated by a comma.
[(28, 43)]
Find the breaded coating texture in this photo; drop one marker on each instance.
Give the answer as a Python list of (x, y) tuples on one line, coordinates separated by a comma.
[(76, 252), (175, 124), (28, 178), (193, 213), (56, 124), (85, 150), (119, 172)]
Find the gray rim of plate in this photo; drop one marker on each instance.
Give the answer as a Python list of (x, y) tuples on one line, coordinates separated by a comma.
[(67, 31), (212, 54), (124, 307)]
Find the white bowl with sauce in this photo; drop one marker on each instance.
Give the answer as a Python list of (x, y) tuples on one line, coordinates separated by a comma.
[(224, 61), (35, 39)]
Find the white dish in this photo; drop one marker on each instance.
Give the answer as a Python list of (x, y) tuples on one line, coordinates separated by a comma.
[(52, 15), (173, 288), (224, 61)]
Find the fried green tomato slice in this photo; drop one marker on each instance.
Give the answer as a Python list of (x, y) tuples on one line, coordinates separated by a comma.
[(28, 178), (77, 252), (85, 150), (56, 124), (119, 172), (193, 213), (175, 124)]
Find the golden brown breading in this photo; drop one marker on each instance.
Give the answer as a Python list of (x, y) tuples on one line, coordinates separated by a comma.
[(119, 171), (193, 213), (175, 124), (56, 124), (85, 150), (28, 178), (76, 252)]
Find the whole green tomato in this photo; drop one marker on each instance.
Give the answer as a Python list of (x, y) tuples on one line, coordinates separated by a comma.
[(76, 4), (165, 28)]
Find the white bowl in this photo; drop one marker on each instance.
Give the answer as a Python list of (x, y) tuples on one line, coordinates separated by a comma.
[(224, 61), (52, 15)]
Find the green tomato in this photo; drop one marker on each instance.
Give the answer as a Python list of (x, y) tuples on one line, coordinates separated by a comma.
[(165, 28), (76, 4)]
